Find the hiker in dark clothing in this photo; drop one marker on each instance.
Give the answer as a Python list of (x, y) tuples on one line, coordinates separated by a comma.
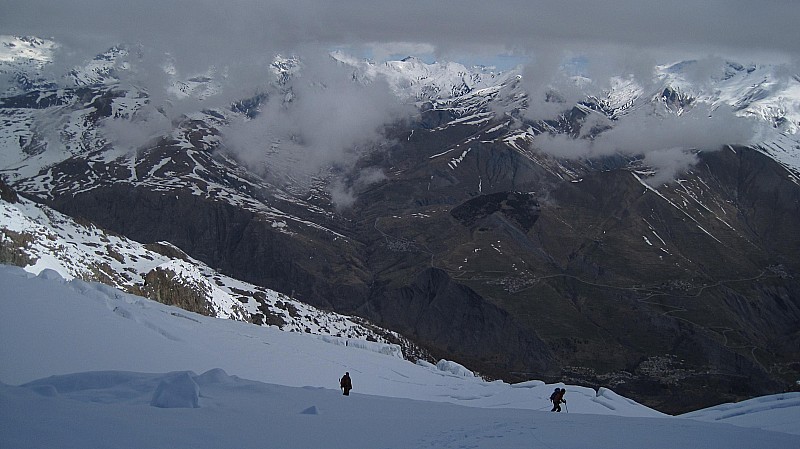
[(558, 397), (346, 384)]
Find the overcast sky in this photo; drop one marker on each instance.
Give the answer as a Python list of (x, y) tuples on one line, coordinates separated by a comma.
[(232, 28)]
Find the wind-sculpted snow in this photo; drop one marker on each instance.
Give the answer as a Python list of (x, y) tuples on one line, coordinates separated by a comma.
[(766, 412), (380, 348), (88, 388), (454, 368)]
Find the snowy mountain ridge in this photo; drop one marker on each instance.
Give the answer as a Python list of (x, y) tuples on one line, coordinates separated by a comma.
[(758, 90), (414, 79), (469, 95), (754, 90), (38, 238)]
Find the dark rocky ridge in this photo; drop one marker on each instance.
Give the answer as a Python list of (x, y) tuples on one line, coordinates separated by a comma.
[(460, 324), (521, 208)]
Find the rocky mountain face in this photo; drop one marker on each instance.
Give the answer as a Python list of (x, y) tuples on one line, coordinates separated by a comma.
[(35, 236), (474, 244), (674, 296)]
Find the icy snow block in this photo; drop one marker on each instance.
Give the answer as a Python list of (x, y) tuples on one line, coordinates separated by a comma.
[(529, 384), (51, 275), (45, 390), (178, 391), (454, 368), (310, 411), (426, 364), (215, 376)]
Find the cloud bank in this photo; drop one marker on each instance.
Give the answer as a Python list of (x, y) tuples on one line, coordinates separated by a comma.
[(237, 40), (665, 142), (322, 118)]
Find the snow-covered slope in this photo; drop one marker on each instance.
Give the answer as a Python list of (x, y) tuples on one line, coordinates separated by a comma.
[(42, 238), (763, 92), (93, 327), (96, 341), (768, 412), (754, 90), (415, 79), (22, 60)]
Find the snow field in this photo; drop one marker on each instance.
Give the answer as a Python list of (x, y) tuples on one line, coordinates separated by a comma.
[(90, 346)]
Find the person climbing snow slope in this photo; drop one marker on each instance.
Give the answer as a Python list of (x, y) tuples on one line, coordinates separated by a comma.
[(557, 398), (346, 384)]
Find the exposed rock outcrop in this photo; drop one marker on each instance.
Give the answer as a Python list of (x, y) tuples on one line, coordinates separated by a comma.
[(165, 286)]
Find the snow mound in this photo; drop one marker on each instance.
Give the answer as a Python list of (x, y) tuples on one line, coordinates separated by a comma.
[(529, 384), (777, 412), (310, 411), (180, 391), (216, 376), (454, 368), (51, 275)]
